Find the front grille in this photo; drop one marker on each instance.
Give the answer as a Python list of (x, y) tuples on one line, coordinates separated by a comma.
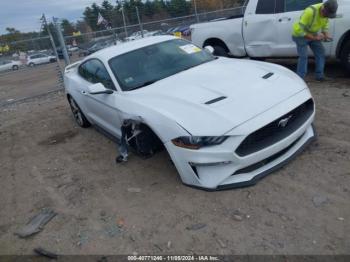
[(266, 161), (277, 130)]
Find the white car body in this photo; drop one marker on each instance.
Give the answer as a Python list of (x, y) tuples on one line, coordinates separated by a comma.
[(38, 59), (256, 34), (9, 65), (72, 48), (225, 97)]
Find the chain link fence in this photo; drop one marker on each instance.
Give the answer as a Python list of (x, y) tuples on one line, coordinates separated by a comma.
[(139, 22), (35, 65), (30, 69)]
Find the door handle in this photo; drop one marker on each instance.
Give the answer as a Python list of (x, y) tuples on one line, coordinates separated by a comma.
[(84, 93), (284, 19)]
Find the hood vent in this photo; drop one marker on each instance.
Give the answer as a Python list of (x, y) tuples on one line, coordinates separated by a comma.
[(215, 100), (267, 76)]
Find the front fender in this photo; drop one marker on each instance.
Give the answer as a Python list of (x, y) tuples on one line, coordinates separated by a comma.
[(164, 127)]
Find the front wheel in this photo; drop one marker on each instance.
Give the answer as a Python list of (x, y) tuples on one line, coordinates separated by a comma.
[(220, 51), (15, 67), (78, 114), (345, 56), (31, 64)]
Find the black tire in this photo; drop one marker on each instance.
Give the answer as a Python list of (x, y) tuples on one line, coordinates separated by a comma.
[(258, 59), (78, 115), (220, 51), (345, 56), (31, 64), (146, 144), (15, 67)]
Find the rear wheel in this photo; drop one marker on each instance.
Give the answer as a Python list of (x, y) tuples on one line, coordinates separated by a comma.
[(15, 67), (220, 51), (78, 114), (345, 56)]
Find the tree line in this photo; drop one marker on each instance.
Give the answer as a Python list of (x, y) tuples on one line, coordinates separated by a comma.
[(149, 10)]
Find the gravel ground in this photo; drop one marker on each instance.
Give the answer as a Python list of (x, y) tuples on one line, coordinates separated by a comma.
[(141, 206)]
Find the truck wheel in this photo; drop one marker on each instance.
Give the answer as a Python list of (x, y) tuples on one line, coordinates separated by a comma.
[(220, 51), (345, 56)]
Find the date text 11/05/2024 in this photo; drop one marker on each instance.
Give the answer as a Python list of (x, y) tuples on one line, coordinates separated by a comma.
[(173, 258)]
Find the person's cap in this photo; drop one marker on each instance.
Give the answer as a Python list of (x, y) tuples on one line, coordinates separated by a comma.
[(331, 7)]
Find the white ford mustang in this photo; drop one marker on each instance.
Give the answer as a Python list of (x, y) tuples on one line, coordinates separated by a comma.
[(224, 122)]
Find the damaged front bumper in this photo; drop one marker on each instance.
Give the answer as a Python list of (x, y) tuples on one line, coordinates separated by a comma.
[(223, 166), (223, 169)]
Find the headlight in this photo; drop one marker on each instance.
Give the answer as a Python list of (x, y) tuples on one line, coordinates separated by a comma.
[(196, 142)]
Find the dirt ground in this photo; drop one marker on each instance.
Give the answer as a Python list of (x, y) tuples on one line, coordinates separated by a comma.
[(46, 161)]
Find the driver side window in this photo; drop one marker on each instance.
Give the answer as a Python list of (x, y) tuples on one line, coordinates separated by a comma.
[(266, 7), (94, 72), (298, 5)]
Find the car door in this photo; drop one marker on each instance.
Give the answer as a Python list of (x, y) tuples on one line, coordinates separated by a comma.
[(259, 28), (43, 59), (292, 10), (102, 108), (35, 59)]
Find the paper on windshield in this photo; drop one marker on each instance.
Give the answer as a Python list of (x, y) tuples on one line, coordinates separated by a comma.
[(190, 49), (129, 80)]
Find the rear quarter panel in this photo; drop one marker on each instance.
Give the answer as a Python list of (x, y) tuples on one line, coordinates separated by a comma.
[(229, 31), (73, 86)]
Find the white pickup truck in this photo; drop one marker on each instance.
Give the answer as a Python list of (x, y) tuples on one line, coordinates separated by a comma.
[(264, 30)]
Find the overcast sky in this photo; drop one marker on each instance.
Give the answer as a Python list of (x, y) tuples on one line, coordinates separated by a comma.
[(24, 15)]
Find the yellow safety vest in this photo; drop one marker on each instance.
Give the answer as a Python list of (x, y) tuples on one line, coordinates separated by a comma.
[(311, 22)]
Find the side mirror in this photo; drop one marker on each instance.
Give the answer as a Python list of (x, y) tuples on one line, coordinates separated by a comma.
[(98, 89), (210, 49)]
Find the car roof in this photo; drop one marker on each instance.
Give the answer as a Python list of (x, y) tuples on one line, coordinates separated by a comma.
[(109, 52)]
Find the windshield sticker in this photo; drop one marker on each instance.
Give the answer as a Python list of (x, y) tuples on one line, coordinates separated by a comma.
[(190, 49), (129, 80)]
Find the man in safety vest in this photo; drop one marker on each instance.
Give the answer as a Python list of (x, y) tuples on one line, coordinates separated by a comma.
[(310, 30)]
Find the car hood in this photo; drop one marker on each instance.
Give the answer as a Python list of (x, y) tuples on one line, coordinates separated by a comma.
[(215, 97)]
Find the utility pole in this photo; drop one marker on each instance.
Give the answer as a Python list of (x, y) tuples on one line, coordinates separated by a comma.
[(138, 18), (115, 37), (124, 21), (43, 19), (62, 42), (195, 10)]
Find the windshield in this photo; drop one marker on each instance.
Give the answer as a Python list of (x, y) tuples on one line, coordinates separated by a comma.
[(149, 64)]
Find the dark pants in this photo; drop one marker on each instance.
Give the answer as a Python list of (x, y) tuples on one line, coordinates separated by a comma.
[(319, 52)]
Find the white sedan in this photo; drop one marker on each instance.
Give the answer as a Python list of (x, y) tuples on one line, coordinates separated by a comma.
[(224, 122), (9, 65), (38, 59)]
